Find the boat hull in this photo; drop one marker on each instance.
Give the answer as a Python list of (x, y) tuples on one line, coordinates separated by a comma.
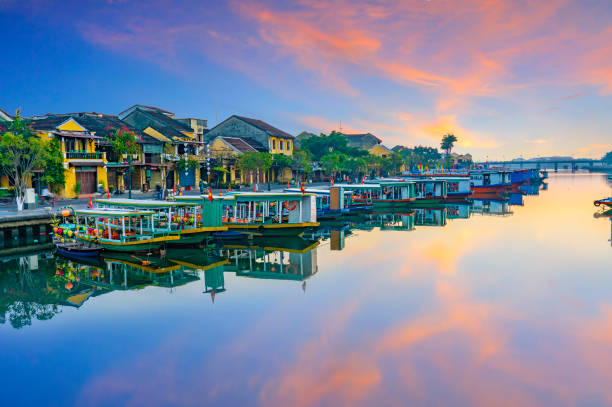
[(288, 229), (604, 202), (135, 246)]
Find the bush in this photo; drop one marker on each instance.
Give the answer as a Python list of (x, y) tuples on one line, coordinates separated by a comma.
[(77, 188)]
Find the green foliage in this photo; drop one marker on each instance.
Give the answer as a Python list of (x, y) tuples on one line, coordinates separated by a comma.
[(427, 156), (331, 162), (55, 173), (20, 152), (448, 141), (123, 140), (281, 161), (302, 161), (255, 161), (319, 146), (608, 158), (77, 188)]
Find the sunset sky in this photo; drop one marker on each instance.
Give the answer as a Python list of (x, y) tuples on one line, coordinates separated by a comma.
[(509, 78)]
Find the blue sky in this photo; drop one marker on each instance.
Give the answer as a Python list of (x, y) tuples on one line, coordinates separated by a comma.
[(509, 78)]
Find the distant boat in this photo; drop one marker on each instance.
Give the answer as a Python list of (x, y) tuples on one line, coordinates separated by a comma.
[(606, 202)]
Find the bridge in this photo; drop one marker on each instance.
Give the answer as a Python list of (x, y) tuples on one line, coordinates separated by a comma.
[(563, 163)]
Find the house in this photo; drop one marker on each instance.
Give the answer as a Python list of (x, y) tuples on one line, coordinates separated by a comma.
[(197, 125), (368, 142), (147, 169), (84, 164), (363, 141), (180, 141), (259, 134), (224, 151), (460, 159)]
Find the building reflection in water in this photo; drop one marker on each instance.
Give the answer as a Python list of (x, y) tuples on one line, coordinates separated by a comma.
[(36, 286)]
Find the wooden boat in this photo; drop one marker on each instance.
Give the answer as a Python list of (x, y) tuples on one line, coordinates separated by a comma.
[(430, 190), (382, 193), (120, 229), (185, 218), (269, 214), (457, 186), (77, 250), (325, 208), (490, 181), (605, 202)]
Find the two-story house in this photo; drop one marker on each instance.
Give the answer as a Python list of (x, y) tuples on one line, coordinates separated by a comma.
[(179, 140), (257, 134), (83, 163)]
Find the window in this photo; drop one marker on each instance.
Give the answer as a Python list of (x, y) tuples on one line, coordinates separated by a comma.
[(280, 144), (273, 144), (288, 146)]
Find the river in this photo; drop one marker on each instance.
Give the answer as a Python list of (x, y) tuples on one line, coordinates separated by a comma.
[(499, 303)]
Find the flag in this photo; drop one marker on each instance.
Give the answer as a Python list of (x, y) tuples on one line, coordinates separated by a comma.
[(90, 205), (107, 194), (173, 190), (288, 185), (302, 188), (210, 198), (229, 187)]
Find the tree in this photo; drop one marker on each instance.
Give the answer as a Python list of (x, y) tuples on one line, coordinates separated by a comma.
[(448, 141), (280, 162), (331, 163), (55, 173), (318, 146), (301, 163), (124, 141), (20, 152), (255, 161), (608, 158)]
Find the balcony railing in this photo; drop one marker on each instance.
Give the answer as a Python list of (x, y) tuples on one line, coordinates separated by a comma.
[(83, 155)]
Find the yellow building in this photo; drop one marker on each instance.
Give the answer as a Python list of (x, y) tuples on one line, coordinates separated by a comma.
[(84, 165), (259, 136)]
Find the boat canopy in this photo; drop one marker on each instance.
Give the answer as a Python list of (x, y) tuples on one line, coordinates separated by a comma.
[(111, 212), (145, 203), (268, 196)]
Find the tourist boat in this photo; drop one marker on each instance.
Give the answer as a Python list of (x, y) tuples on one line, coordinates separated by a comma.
[(490, 181), (324, 197), (457, 185), (270, 214), (430, 190), (382, 193), (605, 202), (190, 219), (120, 229)]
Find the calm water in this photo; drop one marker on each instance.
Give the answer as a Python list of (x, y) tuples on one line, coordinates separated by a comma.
[(509, 306)]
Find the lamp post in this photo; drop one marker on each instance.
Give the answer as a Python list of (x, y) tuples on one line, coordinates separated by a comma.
[(130, 176)]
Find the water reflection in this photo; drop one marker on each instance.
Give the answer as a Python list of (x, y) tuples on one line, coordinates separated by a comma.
[(496, 304)]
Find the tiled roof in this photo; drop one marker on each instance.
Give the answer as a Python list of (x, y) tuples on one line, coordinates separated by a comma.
[(271, 130), (362, 140), (239, 144)]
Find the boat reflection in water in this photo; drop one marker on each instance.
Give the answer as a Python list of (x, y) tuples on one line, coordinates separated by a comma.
[(458, 211), (491, 207), (37, 286), (430, 216)]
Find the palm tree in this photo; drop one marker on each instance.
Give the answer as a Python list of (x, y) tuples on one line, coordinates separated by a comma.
[(448, 141)]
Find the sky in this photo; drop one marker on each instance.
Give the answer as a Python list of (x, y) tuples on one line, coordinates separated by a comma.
[(508, 78)]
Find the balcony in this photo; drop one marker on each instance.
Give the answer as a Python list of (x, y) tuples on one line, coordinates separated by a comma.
[(83, 155)]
